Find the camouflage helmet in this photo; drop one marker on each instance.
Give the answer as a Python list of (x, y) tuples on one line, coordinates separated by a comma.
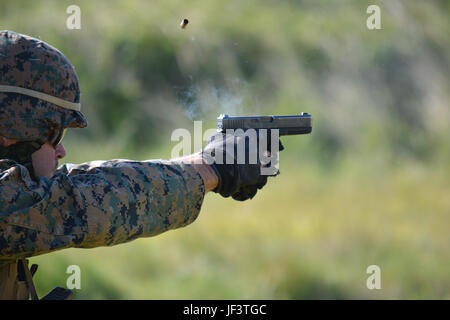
[(39, 90)]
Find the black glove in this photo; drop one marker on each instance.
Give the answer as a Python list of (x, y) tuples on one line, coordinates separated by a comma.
[(238, 179)]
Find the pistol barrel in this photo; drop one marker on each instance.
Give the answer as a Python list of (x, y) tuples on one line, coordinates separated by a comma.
[(287, 125)]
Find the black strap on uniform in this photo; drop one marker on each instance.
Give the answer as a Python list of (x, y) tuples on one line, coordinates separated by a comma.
[(24, 274)]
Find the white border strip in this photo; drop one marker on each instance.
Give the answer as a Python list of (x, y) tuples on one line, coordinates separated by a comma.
[(36, 94)]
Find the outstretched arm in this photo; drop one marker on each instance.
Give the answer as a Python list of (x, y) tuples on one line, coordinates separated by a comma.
[(100, 203)]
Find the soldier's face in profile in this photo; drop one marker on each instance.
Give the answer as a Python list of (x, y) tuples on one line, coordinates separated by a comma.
[(45, 160)]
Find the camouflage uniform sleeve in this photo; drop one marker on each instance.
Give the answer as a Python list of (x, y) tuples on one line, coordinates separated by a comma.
[(100, 203)]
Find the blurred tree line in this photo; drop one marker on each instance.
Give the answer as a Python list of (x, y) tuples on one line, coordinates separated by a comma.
[(383, 91)]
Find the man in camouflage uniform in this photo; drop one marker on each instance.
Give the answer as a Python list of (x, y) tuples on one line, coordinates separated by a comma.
[(99, 203)]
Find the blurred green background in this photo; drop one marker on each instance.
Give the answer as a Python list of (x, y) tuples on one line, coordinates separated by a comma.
[(370, 185)]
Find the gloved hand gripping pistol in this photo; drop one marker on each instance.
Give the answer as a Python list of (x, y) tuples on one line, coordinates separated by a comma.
[(241, 181)]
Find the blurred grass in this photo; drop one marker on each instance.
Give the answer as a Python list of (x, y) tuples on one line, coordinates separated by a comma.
[(310, 234), (369, 186)]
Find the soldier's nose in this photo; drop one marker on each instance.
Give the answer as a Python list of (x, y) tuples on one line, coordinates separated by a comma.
[(60, 151)]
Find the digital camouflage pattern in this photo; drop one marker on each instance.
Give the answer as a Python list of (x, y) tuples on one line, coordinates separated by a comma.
[(32, 64), (99, 203), (93, 204)]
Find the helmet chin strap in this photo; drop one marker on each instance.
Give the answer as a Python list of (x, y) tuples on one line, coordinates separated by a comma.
[(20, 152)]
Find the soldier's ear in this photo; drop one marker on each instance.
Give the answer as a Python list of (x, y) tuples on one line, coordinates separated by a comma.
[(6, 142)]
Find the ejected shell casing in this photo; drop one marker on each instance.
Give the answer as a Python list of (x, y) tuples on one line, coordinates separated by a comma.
[(184, 23)]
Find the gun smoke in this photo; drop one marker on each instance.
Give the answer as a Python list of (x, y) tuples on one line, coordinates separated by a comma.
[(206, 100)]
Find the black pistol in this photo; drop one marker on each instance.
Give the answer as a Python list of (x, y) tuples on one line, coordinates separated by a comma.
[(287, 125)]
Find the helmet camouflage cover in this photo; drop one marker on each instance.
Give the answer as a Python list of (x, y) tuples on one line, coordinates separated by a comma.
[(39, 90)]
